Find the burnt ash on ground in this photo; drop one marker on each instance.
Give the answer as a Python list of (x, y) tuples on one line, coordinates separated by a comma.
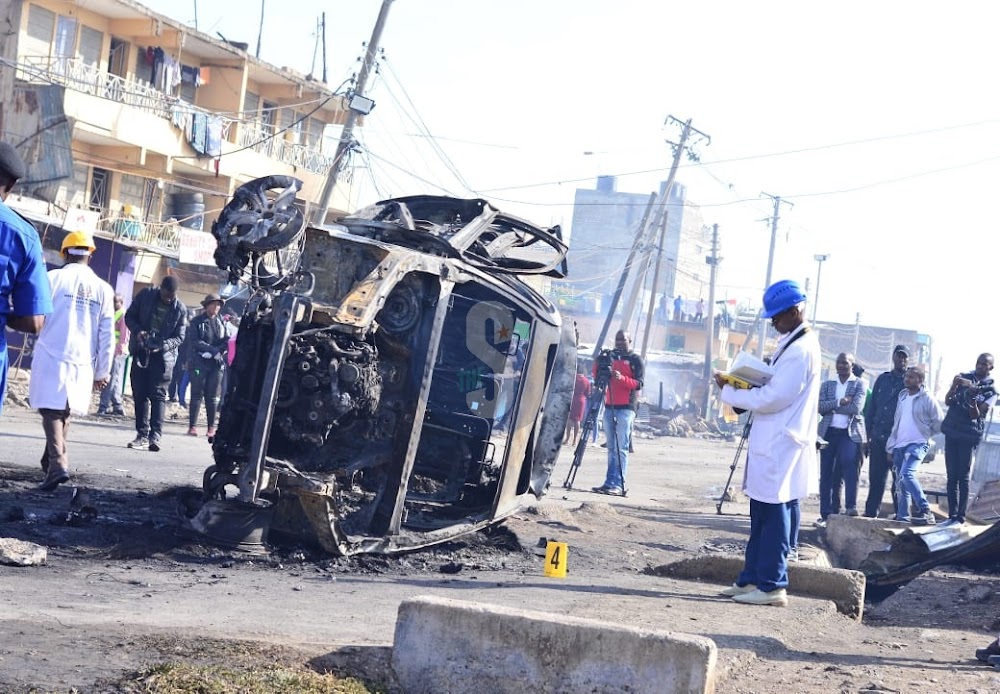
[(105, 518)]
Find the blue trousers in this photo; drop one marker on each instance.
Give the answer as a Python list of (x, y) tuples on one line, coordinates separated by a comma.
[(838, 463), (618, 429), (906, 460), (795, 518), (765, 563)]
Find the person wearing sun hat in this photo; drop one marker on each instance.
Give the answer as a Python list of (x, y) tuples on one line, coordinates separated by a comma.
[(208, 347)]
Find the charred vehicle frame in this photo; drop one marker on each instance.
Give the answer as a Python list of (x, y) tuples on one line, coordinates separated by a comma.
[(396, 383)]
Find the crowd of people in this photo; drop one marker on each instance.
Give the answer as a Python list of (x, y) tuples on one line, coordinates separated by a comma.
[(795, 415), (87, 339)]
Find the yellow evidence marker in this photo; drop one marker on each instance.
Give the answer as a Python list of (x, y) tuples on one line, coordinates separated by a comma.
[(556, 555)]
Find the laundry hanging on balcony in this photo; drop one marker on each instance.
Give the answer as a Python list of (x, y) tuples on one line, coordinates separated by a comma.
[(206, 134)]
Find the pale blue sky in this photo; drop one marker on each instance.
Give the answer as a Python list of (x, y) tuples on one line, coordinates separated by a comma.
[(516, 91)]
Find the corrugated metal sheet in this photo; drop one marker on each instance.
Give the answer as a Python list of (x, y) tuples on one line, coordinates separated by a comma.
[(45, 141)]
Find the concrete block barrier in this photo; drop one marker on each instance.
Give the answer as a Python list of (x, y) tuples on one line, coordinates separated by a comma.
[(444, 645), (844, 587)]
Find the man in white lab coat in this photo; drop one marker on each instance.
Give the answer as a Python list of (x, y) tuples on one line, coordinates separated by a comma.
[(782, 464), (74, 351)]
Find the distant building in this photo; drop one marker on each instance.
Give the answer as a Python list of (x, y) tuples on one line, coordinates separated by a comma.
[(604, 227), (142, 127)]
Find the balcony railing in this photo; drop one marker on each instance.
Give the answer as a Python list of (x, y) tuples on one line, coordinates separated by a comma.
[(261, 138), (76, 75), (161, 237)]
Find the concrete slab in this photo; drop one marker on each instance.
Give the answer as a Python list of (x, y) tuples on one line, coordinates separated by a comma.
[(444, 645), (852, 538), (846, 588)]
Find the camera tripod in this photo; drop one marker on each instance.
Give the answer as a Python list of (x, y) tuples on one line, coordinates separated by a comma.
[(589, 425), (736, 461)]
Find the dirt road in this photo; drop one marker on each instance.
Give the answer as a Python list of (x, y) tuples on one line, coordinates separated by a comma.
[(126, 589)]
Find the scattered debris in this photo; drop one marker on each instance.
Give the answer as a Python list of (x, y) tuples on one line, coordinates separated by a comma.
[(20, 553)]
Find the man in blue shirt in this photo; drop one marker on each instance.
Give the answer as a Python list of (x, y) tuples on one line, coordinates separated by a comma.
[(25, 297)]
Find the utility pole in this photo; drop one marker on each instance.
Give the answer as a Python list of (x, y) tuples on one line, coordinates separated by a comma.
[(770, 264), (346, 134), (713, 262), (820, 258), (679, 148), (323, 34), (10, 25), (656, 279), (640, 233), (260, 31), (857, 334)]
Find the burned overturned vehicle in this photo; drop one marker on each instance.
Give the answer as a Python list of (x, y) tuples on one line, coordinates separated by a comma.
[(395, 383)]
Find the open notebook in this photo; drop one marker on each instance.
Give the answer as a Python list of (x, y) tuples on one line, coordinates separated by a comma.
[(747, 372)]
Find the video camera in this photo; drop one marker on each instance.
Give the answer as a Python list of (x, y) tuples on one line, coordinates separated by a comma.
[(148, 342), (604, 361)]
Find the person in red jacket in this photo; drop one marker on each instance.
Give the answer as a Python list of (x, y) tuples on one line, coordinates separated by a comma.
[(623, 371)]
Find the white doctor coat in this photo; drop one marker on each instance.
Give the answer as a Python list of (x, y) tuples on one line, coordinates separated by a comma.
[(782, 461), (76, 345)]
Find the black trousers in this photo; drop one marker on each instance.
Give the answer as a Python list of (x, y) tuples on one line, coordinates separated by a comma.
[(149, 390), (958, 464), (879, 466), (205, 381)]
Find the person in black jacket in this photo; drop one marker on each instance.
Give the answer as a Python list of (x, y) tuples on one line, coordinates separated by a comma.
[(157, 321), (207, 347), (969, 399), (880, 412)]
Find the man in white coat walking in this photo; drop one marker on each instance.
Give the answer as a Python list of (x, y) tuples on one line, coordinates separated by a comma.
[(782, 464), (74, 351)]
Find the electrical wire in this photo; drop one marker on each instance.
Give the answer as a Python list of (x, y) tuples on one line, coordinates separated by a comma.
[(422, 127)]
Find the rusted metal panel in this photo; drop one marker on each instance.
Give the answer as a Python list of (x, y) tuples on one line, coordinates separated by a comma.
[(43, 133)]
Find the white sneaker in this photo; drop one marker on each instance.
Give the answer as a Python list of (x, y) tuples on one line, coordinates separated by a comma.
[(735, 590), (793, 555), (778, 598)]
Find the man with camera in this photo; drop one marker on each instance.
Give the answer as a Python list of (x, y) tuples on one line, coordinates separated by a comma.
[(157, 321), (970, 397), (620, 372), (781, 462)]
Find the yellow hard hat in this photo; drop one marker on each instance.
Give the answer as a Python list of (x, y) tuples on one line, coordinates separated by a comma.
[(78, 239)]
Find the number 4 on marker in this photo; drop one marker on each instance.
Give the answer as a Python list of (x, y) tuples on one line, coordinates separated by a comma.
[(556, 559)]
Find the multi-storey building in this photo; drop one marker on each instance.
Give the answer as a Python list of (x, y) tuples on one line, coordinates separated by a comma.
[(129, 120), (605, 224)]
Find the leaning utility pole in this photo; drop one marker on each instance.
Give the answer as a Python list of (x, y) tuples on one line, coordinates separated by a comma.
[(679, 148), (770, 264), (636, 245), (346, 134), (713, 261)]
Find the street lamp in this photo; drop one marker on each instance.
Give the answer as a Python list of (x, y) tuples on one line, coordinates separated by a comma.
[(819, 258)]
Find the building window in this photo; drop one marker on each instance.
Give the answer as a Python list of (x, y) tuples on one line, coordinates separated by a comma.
[(91, 41), (41, 25), (100, 180)]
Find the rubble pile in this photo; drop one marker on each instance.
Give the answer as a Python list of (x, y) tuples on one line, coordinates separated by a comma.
[(681, 424)]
